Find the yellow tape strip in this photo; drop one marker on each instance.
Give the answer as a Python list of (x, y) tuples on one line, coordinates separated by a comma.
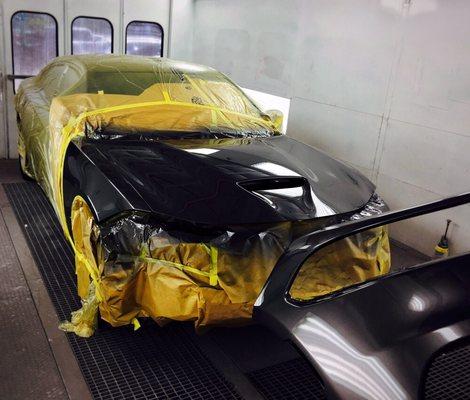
[(212, 274), (136, 323), (171, 103), (166, 96), (94, 273), (213, 118), (213, 277), (181, 267), (208, 100)]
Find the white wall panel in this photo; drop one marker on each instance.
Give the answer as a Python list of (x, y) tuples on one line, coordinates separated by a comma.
[(253, 42), (423, 233), (378, 84), (433, 160), (181, 27), (346, 52), (349, 136), (433, 80)]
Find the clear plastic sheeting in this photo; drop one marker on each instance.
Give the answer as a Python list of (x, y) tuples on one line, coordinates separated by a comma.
[(78, 94)]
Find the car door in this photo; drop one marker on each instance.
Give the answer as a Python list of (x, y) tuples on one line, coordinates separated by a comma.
[(374, 339)]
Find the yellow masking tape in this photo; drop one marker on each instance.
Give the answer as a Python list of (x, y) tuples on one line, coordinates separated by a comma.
[(94, 273), (213, 278), (136, 323), (181, 267)]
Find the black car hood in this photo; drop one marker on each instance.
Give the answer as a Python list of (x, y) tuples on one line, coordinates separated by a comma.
[(232, 181)]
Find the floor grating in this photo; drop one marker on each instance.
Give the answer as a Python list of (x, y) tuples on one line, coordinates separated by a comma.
[(290, 380), (117, 363)]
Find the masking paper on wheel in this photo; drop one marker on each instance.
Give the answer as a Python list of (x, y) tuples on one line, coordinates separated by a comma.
[(130, 268), (141, 271)]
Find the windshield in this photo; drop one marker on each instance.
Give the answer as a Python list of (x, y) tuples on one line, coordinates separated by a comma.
[(144, 94)]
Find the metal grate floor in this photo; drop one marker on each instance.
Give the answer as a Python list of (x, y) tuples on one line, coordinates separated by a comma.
[(290, 380), (117, 363), (448, 377)]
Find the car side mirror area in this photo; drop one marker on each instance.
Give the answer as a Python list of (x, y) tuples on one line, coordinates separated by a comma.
[(277, 118)]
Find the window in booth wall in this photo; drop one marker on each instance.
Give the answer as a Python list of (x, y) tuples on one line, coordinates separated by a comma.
[(34, 42), (92, 35), (144, 38)]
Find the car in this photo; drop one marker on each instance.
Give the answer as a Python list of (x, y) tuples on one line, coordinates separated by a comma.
[(177, 193)]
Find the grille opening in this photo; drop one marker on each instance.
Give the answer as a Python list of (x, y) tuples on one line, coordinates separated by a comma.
[(447, 376)]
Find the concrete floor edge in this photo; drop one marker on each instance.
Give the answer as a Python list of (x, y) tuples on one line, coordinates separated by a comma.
[(64, 358)]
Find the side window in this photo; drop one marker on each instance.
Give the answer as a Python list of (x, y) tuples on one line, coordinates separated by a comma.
[(92, 35), (49, 77), (144, 38), (34, 42), (58, 79)]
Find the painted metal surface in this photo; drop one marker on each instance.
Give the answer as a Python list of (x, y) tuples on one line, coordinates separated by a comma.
[(373, 340), (214, 181)]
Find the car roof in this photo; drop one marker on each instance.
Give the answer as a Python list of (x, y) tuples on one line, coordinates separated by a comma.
[(110, 62)]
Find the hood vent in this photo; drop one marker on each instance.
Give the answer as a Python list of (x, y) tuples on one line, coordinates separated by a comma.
[(273, 184), (282, 193)]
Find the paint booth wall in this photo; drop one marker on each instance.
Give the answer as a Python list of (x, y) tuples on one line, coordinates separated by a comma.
[(383, 85)]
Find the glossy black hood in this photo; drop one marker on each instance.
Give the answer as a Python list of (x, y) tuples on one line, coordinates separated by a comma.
[(231, 181)]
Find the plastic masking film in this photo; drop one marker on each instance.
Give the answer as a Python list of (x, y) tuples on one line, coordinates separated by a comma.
[(78, 94), (126, 268)]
